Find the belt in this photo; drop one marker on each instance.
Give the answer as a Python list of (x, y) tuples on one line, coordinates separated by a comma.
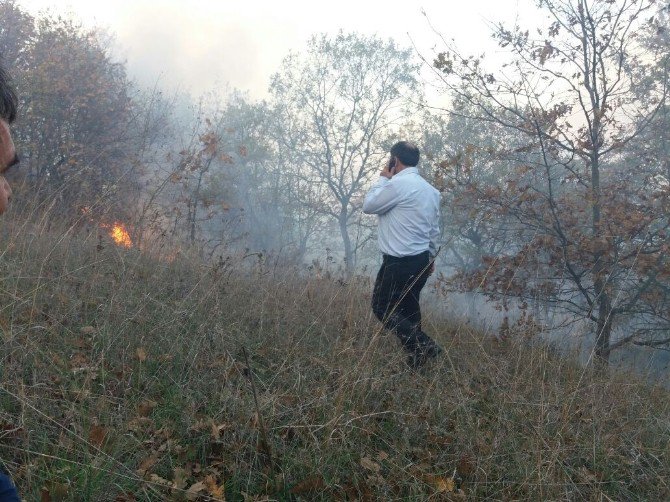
[(388, 257)]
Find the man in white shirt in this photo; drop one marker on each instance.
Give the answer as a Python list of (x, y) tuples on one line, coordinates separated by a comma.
[(409, 210)]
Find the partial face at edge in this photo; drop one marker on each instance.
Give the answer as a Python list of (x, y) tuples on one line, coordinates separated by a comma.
[(7, 159)]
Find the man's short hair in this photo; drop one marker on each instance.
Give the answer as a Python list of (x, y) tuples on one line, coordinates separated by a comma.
[(406, 152), (8, 100)]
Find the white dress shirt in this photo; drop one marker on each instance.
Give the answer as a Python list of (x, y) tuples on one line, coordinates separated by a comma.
[(409, 213)]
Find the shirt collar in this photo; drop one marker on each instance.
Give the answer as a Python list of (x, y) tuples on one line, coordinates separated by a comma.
[(408, 170)]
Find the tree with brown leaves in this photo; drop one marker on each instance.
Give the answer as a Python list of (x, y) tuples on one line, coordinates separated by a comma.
[(592, 227)]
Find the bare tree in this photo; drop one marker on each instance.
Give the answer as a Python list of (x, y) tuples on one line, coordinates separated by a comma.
[(336, 104)]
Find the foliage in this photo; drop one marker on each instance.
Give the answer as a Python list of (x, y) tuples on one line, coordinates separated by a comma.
[(591, 228), (75, 113)]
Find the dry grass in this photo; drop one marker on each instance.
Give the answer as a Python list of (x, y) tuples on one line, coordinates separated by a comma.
[(123, 378)]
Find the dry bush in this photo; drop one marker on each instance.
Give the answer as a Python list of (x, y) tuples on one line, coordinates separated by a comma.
[(124, 377)]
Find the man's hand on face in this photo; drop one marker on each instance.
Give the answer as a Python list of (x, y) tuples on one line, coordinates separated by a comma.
[(386, 171), (7, 160)]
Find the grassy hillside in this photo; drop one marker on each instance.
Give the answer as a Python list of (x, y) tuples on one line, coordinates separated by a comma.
[(125, 378)]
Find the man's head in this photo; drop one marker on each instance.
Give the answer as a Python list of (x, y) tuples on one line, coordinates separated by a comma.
[(406, 153), (8, 156)]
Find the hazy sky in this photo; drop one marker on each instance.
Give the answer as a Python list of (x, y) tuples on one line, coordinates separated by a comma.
[(200, 45)]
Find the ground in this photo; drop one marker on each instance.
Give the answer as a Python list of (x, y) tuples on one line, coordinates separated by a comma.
[(127, 377)]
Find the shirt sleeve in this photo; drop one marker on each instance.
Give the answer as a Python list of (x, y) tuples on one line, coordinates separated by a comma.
[(435, 230), (382, 197)]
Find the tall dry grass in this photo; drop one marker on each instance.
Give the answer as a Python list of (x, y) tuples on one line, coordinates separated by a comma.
[(124, 377)]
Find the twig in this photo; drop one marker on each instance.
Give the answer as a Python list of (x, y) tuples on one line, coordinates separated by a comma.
[(263, 443)]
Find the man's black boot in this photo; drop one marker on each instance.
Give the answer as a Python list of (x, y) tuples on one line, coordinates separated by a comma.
[(422, 354)]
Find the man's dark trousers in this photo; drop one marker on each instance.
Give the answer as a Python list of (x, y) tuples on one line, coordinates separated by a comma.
[(7, 490), (395, 299)]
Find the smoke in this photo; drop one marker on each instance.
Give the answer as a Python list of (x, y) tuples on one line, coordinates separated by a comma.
[(197, 46), (191, 49)]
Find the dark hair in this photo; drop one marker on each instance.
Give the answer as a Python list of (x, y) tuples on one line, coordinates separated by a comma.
[(8, 100), (406, 152)]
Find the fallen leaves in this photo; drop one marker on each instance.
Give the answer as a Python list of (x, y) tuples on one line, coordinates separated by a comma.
[(54, 491), (147, 464), (146, 407), (466, 465), (217, 430), (97, 435), (195, 490), (441, 484), (368, 464), (207, 486), (213, 488), (179, 478), (310, 485), (157, 480)]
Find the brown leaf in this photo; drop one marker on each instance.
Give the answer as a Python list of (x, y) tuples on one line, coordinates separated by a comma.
[(370, 465), (214, 490), (87, 330), (309, 485), (155, 478), (54, 492), (217, 430), (97, 435), (140, 424), (441, 484), (141, 354), (466, 465), (179, 478), (147, 464), (146, 407), (194, 490), (79, 360)]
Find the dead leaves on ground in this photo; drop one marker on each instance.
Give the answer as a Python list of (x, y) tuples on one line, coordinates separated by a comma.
[(146, 407), (208, 488), (191, 481), (54, 491), (98, 435), (370, 465), (441, 485), (309, 486)]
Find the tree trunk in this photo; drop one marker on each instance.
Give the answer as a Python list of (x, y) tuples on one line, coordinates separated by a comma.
[(193, 209), (600, 268), (349, 258), (604, 323)]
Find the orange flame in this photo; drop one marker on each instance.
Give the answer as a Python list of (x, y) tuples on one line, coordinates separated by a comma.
[(119, 234)]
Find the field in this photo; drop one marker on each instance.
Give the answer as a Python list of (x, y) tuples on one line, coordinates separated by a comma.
[(127, 376)]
